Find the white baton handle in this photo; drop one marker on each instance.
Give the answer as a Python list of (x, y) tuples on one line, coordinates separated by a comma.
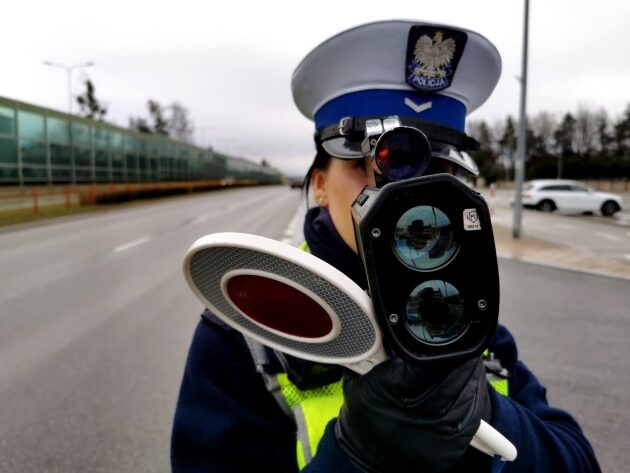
[(489, 440)]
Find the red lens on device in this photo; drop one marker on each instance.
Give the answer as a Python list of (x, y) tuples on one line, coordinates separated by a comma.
[(401, 153), (278, 306)]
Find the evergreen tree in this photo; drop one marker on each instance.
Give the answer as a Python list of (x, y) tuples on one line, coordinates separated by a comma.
[(485, 157), (507, 145), (565, 136), (160, 124), (622, 134), (604, 138), (89, 106)]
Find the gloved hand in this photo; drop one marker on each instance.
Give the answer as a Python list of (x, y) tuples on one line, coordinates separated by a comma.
[(405, 418)]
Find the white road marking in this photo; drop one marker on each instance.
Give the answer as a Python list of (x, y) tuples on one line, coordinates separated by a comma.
[(608, 236), (564, 226), (547, 229), (201, 218), (534, 221), (293, 231), (131, 244), (499, 218)]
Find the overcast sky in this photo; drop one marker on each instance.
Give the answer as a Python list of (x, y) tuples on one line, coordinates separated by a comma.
[(230, 62)]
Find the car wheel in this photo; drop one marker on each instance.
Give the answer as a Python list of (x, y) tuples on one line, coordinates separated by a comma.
[(609, 208), (546, 206)]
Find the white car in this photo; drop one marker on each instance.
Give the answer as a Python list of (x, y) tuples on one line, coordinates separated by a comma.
[(568, 196)]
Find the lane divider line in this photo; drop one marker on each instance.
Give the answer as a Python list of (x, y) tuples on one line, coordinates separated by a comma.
[(608, 236), (131, 244), (200, 219), (564, 226)]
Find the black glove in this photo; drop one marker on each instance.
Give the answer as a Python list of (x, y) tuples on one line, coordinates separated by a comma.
[(405, 418)]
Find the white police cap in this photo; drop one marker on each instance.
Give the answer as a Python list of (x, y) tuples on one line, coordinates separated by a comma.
[(431, 74)]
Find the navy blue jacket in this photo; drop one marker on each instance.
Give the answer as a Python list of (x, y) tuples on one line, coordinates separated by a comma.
[(226, 420)]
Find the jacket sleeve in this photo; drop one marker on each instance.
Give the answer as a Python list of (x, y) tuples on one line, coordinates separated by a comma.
[(547, 439), (226, 421)]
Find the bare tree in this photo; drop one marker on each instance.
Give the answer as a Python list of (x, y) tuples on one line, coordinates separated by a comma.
[(585, 131), (544, 125), (140, 124), (179, 124), (176, 124)]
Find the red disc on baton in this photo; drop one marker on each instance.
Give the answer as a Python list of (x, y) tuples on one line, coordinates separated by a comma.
[(278, 306)]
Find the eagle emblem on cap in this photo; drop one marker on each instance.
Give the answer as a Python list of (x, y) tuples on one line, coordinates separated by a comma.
[(432, 59), (432, 56)]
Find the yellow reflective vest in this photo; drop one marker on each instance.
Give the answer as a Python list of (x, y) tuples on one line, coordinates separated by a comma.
[(314, 408)]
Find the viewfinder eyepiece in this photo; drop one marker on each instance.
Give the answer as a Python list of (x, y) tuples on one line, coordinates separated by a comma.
[(401, 153)]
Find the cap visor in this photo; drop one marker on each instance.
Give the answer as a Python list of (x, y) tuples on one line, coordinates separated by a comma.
[(455, 156), (343, 148)]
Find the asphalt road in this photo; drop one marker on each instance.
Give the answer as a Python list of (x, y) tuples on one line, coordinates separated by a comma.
[(573, 331), (95, 323), (96, 319)]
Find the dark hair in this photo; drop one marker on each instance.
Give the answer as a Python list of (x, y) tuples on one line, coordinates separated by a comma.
[(321, 161)]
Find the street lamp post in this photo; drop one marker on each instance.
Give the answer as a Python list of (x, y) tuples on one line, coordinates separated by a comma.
[(69, 70), (521, 151)]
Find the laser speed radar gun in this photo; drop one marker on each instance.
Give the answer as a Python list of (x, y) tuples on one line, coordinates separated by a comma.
[(428, 251), (427, 247), (296, 303)]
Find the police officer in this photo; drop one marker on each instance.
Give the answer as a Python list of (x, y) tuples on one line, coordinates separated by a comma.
[(244, 407)]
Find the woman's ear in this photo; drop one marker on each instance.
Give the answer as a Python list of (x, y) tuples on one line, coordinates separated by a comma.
[(319, 180)]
